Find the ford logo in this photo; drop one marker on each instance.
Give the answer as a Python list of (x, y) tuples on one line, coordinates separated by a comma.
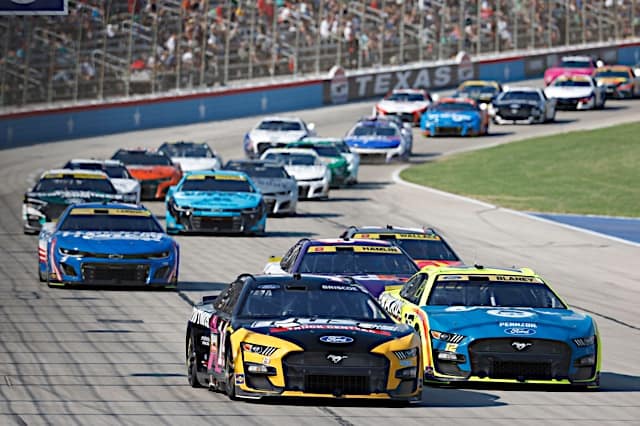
[(336, 339), (520, 331)]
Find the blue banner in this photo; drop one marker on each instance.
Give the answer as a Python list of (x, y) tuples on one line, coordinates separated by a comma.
[(33, 7)]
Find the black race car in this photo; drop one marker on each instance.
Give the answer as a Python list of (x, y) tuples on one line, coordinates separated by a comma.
[(301, 336), (523, 104)]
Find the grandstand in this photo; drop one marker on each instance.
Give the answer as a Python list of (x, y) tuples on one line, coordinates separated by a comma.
[(117, 48)]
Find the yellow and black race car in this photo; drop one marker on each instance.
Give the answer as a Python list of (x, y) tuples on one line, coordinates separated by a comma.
[(301, 336)]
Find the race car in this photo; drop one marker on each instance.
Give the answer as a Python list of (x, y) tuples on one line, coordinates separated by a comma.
[(279, 189), (220, 201), (330, 154), (154, 170), (480, 324), (576, 92), (523, 104), (378, 140), (57, 189), (191, 155), (377, 265), (311, 174), (353, 160), (481, 91), (455, 117), (301, 336), (425, 246), (275, 132), (406, 129), (570, 65), (407, 104), (108, 244), (619, 81), (117, 172)]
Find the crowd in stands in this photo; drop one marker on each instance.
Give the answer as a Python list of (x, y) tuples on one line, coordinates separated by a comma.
[(108, 47)]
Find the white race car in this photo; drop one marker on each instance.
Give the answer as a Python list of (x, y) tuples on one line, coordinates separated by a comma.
[(275, 132), (118, 174), (311, 174), (577, 92), (408, 104), (192, 156)]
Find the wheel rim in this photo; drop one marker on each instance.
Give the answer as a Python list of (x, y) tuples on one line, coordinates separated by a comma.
[(190, 362)]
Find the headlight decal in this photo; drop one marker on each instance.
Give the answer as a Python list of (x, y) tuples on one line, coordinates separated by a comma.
[(406, 354), (447, 337), (259, 349), (584, 342)]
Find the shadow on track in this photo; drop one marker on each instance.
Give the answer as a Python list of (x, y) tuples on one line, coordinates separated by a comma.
[(370, 185), (614, 382), (201, 286)]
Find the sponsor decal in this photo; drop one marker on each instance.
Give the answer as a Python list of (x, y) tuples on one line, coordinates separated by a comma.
[(510, 313), (518, 331), (521, 346), (205, 341), (338, 340), (517, 324), (459, 308), (107, 235), (406, 363), (300, 327), (370, 326), (268, 287), (398, 236), (70, 175), (200, 317), (336, 359), (338, 287), (451, 347), (391, 304), (338, 85), (239, 378), (111, 212), (266, 360)]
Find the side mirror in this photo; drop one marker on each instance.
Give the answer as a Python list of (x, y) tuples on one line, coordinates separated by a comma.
[(311, 127)]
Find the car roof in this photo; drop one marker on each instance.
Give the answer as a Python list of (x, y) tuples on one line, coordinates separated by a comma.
[(319, 140), (480, 83), (306, 279), (141, 151), (350, 242), (111, 205), (308, 151), (521, 89), (456, 101), (615, 67), (256, 162), (215, 173), (577, 58), (75, 172), (184, 143), (477, 270), (409, 91), (280, 118), (388, 229), (95, 161)]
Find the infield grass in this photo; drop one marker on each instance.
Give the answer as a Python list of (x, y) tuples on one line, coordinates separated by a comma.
[(584, 172)]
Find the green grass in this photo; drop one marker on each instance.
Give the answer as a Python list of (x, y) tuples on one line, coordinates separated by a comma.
[(585, 172)]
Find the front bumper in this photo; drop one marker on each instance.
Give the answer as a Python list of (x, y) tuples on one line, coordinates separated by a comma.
[(522, 113), (309, 189), (452, 129), (280, 203), (406, 117), (379, 155), (575, 103)]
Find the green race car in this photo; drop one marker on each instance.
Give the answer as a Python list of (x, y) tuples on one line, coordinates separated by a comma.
[(329, 153)]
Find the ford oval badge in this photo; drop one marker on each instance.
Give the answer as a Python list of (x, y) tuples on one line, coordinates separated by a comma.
[(520, 331), (336, 339)]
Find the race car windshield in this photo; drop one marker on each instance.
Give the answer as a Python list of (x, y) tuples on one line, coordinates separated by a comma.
[(351, 263), (478, 89), (493, 293), (374, 131), (256, 171), (280, 126), (109, 223), (426, 249), (142, 158), (575, 64), (326, 151), (279, 302), (406, 97), (114, 172), (187, 150), (73, 184), (612, 74), (212, 184), (292, 159), (453, 106), (117, 172), (571, 83), (343, 148), (520, 96)]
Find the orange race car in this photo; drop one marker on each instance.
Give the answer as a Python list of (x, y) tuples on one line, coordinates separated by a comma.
[(153, 169)]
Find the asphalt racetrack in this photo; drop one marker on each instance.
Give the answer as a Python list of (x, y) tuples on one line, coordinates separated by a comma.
[(93, 357)]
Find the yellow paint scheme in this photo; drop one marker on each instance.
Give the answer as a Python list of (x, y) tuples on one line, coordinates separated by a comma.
[(111, 212), (398, 236), (409, 313), (284, 347), (215, 177), (478, 83), (75, 175), (356, 249)]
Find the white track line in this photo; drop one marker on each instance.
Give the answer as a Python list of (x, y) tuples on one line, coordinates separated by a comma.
[(397, 179)]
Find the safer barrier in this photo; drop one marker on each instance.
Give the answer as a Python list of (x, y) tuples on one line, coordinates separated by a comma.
[(32, 127)]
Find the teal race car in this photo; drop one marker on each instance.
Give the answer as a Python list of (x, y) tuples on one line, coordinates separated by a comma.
[(226, 202)]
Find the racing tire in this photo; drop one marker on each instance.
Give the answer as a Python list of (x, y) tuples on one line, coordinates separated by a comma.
[(192, 367), (42, 277), (230, 383)]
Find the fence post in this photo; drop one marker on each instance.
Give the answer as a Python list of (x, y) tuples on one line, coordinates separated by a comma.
[(318, 37), (274, 39), (441, 31), (178, 50), (600, 20), (461, 33), (532, 24), (203, 46), (478, 27), (5, 55), (583, 21), (567, 21), (76, 82), (252, 40), (383, 26), (497, 34), (549, 29), (52, 62), (127, 82), (633, 18), (616, 27), (27, 57), (104, 51), (516, 10), (402, 13)]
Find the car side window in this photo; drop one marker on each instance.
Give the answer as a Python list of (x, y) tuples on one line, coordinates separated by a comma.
[(222, 300), (291, 257), (409, 290)]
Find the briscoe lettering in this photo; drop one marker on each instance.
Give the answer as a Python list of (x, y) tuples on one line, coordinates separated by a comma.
[(338, 287), (200, 317)]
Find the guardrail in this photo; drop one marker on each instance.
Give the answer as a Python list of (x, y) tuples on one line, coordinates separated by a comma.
[(95, 119)]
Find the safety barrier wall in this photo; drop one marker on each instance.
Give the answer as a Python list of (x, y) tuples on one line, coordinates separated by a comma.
[(28, 128)]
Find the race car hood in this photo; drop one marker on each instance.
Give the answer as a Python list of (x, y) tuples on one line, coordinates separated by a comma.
[(311, 334), (151, 172), (478, 95), (373, 142), (568, 92), (211, 199), (306, 172), (482, 322), (273, 185), (515, 101), (611, 81), (123, 243), (188, 164), (275, 136), (401, 107), (334, 162), (452, 117), (125, 186), (72, 197), (551, 73), (425, 262)]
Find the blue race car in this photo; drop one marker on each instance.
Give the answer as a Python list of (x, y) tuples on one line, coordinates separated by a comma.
[(107, 244), (496, 325), (378, 139), (220, 201), (455, 117)]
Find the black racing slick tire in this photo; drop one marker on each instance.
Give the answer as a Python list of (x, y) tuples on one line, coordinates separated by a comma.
[(42, 277), (229, 376), (192, 364)]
